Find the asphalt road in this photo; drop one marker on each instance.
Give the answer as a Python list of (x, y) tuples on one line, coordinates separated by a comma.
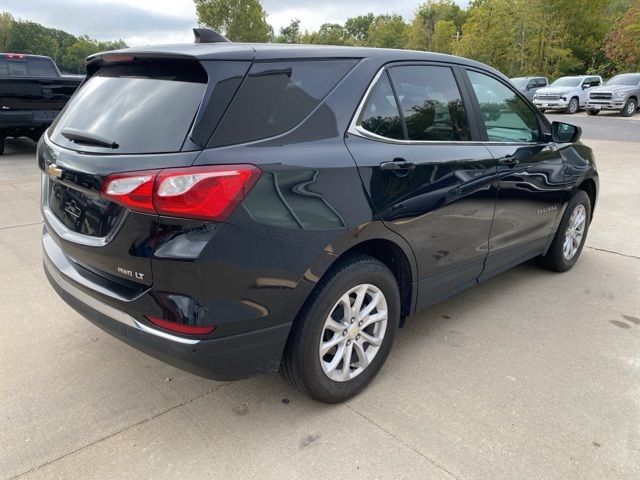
[(530, 375), (604, 126)]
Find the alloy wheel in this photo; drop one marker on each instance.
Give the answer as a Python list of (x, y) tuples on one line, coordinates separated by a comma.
[(574, 232), (353, 332)]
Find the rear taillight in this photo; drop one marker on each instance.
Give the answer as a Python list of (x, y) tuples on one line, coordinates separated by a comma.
[(181, 327), (206, 193)]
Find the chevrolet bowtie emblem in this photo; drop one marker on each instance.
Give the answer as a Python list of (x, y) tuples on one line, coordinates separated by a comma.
[(54, 170)]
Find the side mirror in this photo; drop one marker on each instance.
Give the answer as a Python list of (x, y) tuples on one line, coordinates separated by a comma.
[(565, 133), (531, 87), (585, 86)]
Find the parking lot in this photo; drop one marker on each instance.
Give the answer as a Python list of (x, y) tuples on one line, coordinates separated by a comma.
[(529, 375)]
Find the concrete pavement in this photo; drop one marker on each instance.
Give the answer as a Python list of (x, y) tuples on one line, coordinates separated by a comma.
[(529, 375)]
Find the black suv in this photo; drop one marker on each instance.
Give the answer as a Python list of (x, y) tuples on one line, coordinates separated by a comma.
[(235, 208)]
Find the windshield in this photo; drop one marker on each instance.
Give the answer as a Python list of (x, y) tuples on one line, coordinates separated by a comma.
[(630, 79), (143, 108), (519, 82), (567, 82)]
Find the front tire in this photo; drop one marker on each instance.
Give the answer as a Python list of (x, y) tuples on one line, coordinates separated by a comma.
[(629, 108), (344, 333), (572, 232), (574, 106)]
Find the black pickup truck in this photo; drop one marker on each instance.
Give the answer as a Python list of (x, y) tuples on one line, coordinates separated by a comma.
[(32, 93)]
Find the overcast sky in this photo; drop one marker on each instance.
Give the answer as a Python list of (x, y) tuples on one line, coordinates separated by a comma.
[(144, 22)]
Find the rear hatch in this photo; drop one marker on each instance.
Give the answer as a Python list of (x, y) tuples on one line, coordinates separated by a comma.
[(131, 114)]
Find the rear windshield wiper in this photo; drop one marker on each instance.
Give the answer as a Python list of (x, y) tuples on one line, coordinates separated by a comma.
[(87, 138)]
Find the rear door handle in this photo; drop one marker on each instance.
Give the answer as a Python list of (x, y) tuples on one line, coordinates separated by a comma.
[(508, 160), (398, 165)]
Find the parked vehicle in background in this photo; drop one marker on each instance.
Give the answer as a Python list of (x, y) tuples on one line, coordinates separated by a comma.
[(272, 206), (529, 85), (566, 93), (32, 93), (620, 93)]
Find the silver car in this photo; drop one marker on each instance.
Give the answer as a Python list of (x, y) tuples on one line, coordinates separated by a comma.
[(568, 94), (620, 93), (529, 85)]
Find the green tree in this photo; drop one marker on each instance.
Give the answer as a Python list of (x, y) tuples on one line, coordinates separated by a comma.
[(423, 26), (443, 36), (518, 37), (329, 34), (6, 27), (622, 45), (32, 38), (239, 20), (290, 33), (388, 31), (358, 27)]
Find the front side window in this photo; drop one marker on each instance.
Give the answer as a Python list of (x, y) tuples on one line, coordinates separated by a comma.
[(507, 118), (430, 103)]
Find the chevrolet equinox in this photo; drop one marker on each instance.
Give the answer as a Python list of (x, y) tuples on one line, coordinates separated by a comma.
[(235, 209)]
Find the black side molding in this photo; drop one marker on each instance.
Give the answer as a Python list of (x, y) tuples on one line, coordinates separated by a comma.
[(206, 35)]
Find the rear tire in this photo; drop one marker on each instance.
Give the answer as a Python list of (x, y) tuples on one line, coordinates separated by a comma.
[(572, 232), (1, 146), (629, 108), (574, 106), (332, 327), (593, 112)]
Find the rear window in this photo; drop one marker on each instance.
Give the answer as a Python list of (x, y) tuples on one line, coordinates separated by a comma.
[(146, 107), (277, 96), (27, 67)]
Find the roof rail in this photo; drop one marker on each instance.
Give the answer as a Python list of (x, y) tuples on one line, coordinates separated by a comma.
[(206, 35)]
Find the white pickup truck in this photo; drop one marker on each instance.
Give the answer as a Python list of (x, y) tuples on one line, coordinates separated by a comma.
[(566, 93)]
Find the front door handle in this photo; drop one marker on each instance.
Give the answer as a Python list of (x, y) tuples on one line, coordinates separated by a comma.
[(398, 165), (508, 160)]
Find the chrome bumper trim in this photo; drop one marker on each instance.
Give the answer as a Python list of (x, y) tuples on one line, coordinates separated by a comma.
[(108, 310)]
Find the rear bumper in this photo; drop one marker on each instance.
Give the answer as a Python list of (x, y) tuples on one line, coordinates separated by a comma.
[(227, 358), (10, 119)]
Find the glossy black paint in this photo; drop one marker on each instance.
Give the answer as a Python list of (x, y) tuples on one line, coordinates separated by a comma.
[(457, 218)]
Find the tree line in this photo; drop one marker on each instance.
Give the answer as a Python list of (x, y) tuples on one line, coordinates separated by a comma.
[(68, 51), (518, 37)]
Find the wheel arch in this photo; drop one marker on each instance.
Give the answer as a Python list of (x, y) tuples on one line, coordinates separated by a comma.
[(590, 188)]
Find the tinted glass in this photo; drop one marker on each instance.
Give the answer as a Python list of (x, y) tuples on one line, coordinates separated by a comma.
[(567, 82), (14, 68), (507, 117), (631, 79), (380, 114), (277, 96), (542, 82), (430, 103), (144, 108), (39, 67)]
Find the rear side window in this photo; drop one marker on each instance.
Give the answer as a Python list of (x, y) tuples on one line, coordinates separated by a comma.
[(145, 107), (380, 114), (430, 103), (277, 96)]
